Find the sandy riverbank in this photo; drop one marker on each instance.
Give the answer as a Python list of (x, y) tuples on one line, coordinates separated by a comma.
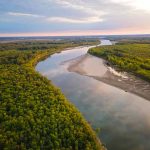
[(96, 67)]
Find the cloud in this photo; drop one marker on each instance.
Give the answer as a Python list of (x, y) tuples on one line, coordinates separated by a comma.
[(24, 14), (72, 15), (70, 20), (135, 4), (82, 6), (58, 19)]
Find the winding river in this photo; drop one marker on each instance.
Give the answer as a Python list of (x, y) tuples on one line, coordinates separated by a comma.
[(123, 118)]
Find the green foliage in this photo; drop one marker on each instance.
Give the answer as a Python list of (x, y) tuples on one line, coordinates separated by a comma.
[(130, 39), (45, 45), (134, 58), (33, 113)]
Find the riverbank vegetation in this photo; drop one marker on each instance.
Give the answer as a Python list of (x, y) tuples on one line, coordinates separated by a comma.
[(134, 58), (130, 39), (46, 44), (33, 113)]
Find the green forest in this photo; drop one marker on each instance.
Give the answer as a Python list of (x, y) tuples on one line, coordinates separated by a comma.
[(34, 114), (134, 58)]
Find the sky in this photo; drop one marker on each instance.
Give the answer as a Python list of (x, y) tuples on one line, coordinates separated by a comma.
[(74, 17)]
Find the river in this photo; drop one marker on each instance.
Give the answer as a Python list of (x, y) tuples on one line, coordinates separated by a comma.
[(123, 118)]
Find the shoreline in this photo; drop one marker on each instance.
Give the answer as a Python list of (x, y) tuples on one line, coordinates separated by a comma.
[(125, 81)]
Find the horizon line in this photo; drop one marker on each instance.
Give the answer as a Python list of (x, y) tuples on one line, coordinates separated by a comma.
[(128, 31), (33, 35)]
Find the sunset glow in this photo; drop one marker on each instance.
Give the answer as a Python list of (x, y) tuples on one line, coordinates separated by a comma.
[(69, 17)]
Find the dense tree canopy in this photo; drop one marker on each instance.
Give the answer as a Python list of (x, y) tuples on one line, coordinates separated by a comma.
[(33, 113), (134, 58)]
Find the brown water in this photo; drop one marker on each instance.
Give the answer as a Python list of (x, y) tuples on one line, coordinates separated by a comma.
[(123, 118)]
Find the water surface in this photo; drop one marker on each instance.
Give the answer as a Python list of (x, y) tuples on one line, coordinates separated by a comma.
[(122, 117)]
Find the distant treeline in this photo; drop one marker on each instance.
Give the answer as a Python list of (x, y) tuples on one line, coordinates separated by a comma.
[(44, 45), (133, 58), (128, 39), (33, 113), (134, 41)]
